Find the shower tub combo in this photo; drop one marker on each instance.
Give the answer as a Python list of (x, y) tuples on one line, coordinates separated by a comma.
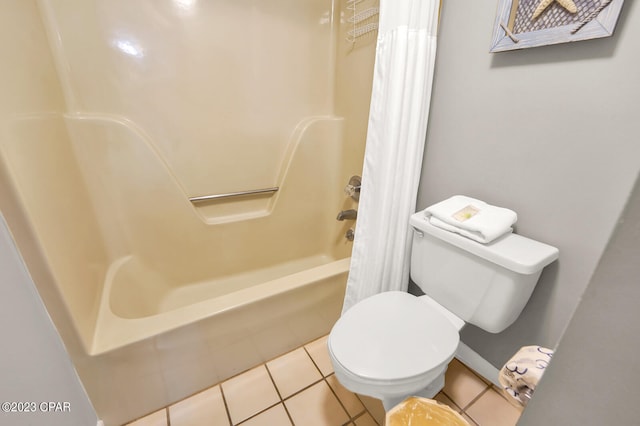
[(170, 300), (178, 212)]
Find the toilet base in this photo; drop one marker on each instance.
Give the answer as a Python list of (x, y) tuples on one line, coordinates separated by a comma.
[(429, 392)]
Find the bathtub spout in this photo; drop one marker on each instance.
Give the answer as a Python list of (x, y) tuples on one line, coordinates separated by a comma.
[(350, 214)]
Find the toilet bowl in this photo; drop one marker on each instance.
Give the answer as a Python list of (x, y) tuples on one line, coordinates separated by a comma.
[(393, 345)]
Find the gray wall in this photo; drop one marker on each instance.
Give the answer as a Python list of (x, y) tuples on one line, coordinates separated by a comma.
[(594, 374), (550, 132), (35, 365)]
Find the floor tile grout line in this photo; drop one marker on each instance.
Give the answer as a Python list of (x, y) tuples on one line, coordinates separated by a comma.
[(500, 392), (366, 409), (302, 390), (307, 386), (463, 410), (351, 419), (282, 400), (279, 394), (491, 388), (224, 401), (455, 406), (261, 412), (486, 381), (324, 378), (451, 399), (362, 414), (339, 400), (313, 361), (166, 413), (473, 421), (473, 401), (273, 382), (258, 365)]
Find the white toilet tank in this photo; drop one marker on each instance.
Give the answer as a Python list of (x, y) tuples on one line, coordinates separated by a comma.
[(487, 285)]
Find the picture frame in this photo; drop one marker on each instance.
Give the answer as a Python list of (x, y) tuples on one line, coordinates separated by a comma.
[(516, 28)]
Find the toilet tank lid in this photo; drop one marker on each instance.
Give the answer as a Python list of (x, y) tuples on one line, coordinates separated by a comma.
[(511, 251)]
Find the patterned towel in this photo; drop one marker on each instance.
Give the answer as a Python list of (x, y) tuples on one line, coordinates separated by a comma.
[(521, 374)]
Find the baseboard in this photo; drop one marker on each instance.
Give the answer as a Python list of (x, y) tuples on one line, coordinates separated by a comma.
[(474, 361)]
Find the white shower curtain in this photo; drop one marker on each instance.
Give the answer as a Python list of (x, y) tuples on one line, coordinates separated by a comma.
[(403, 76)]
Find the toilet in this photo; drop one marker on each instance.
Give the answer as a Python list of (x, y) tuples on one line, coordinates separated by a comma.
[(394, 344)]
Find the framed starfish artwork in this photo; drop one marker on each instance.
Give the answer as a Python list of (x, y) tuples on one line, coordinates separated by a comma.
[(521, 24)]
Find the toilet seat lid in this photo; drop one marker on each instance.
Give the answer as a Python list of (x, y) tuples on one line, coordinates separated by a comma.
[(392, 335)]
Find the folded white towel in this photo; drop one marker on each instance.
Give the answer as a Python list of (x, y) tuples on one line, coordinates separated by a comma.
[(471, 218)]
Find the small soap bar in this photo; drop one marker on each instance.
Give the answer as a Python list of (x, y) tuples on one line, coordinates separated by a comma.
[(415, 411), (465, 213)]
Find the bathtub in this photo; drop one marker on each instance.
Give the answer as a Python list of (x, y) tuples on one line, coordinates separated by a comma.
[(304, 294), (167, 302), (142, 364)]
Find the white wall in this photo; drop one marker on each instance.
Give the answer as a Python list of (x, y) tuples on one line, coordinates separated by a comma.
[(551, 132), (35, 366)]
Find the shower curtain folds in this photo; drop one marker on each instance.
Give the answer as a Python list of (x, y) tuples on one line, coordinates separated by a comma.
[(402, 81)]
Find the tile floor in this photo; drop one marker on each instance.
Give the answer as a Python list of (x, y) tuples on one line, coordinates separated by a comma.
[(299, 388)]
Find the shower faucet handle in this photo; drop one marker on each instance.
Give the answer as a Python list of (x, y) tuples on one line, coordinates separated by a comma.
[(350, 234), (353, 187), (350, 214)]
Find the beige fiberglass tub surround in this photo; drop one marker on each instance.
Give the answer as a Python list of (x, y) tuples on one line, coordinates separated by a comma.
[(174, 183)]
